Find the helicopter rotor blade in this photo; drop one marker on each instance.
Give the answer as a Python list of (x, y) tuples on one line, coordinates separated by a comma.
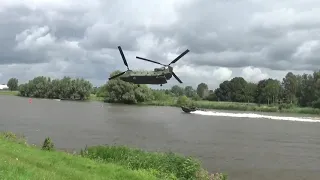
[(149, 60), (180, 56), (123, 57), (117, 75), (176, 77)]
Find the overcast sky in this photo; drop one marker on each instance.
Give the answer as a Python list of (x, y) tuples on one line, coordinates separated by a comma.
[(254, 39)]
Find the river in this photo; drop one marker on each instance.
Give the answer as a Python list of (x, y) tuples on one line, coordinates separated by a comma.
[(244, 148)]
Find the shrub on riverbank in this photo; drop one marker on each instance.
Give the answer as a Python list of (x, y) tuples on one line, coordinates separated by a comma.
[(166, 164), (20, 139), (48, 144)]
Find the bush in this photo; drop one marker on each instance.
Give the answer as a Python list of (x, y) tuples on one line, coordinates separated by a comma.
[(48, 144), (316, 104), (204, 175), (13, 137), (183, 101), (164, 164)]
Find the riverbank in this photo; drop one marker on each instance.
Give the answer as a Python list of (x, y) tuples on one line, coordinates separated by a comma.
[(92, 97), (23, 161), (235, 106), (214, 105), (7, 92), (238, 106)]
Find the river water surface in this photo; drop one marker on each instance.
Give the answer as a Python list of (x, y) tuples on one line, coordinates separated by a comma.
[(244, 148)]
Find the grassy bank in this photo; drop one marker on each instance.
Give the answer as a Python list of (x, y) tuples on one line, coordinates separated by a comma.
[(93, 97), (22, 161), (238, 106), (7, 92)]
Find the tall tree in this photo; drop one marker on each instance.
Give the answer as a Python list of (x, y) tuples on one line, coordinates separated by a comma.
[(212, 96), (306, 90), (250, 91), (202, 90), (260, 95), (316, 77), (272, 90), (177, 90), (223, 93), (13, 84), (290, 85), (189, 91), (238, 87)]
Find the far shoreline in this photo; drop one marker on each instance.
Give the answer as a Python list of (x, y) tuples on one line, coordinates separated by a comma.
[(208, 105)]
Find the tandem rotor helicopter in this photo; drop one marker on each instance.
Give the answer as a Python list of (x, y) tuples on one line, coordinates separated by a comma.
[(157, 76)]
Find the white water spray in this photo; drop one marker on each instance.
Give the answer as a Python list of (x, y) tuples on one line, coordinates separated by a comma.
[(252, 115)]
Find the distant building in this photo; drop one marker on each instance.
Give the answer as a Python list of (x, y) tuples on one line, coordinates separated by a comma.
[(3, 86)]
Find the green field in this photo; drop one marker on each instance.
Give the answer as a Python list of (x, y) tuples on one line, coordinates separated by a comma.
[(23, 161), (7, 92)]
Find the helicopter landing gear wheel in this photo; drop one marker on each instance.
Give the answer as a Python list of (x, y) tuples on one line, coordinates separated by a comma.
[(160, 84)]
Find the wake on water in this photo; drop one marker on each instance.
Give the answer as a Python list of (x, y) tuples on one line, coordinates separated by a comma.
[(252, 115)]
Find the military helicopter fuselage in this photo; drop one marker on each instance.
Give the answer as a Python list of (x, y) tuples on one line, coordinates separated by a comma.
[(158, 76)]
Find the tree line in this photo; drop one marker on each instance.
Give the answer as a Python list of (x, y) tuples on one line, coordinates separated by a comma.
[(294, 89), (45, 87), (302, 90)]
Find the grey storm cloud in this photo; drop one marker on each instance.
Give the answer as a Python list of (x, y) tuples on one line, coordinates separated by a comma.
[(80, 38), (247, 33)]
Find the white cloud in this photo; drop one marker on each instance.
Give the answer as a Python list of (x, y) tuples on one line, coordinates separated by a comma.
[(253, 74)]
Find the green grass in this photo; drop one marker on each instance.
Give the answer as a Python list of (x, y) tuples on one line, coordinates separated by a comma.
[(19, 161), (170, 102), (7, 92), (166, 165), (302, 110), (22, 161), (93, 97)]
